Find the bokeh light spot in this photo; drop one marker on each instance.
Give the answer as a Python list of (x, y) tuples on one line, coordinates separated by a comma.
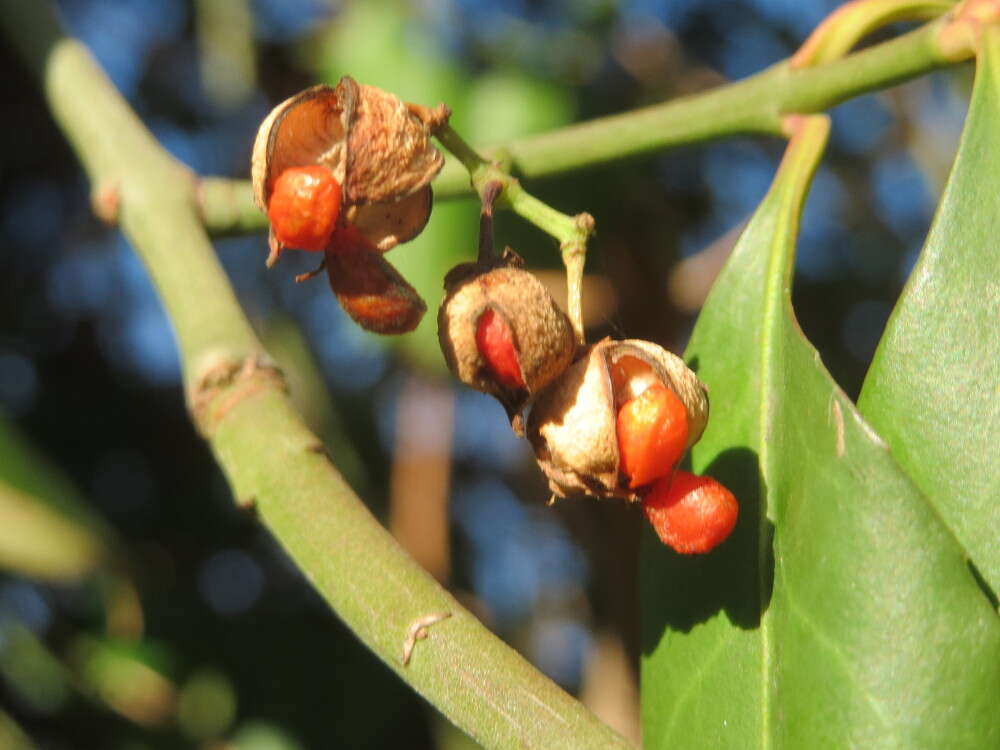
[(231, 581)]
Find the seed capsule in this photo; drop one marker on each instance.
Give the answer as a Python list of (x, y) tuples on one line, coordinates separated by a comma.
[(573, 425), (375, 146), (501, 332), (369, 288)]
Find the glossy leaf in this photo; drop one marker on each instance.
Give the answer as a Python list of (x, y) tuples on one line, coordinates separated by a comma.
[(841, 613), (933, 390)]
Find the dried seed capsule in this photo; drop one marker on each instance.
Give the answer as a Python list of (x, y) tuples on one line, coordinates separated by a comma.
[(370, 290), (501, 332), (573, 423), (375, 146)]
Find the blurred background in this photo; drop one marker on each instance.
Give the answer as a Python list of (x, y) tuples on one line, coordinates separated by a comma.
[(138, 607)]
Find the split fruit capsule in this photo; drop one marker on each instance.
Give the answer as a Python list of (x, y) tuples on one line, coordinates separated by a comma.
[(374, 147), (502, 333), (346, 170), (617, 420)]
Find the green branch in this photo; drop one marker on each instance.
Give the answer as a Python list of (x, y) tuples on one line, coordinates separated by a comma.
[(226, 206), (271, 460), (754, 105), (854, 20)]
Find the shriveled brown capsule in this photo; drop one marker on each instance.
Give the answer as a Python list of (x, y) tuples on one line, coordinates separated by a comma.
[(376, 147), (502, 333), (573, 423), (369, 288)]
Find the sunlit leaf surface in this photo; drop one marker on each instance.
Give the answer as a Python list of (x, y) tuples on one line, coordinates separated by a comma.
[(933, 391), (842, 612)]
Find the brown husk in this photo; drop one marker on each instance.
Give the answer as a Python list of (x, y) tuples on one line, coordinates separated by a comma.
[(377, 146), (543, 336), (370, 289), (573, 423)]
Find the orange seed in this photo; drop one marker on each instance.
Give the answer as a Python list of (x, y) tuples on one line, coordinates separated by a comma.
[(304, 206), (495, 343), (652, 435), (691, 514)]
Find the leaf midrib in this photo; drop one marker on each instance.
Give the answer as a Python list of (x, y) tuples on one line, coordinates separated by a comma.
[(802, 162)]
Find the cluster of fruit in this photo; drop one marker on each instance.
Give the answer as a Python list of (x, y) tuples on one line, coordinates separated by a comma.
[(612, 422), (346, 171)]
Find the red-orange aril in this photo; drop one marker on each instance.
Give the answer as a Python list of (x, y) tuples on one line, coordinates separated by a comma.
[(691, 514), (304, 206), (630, 376), (495, 343), (652, 435)]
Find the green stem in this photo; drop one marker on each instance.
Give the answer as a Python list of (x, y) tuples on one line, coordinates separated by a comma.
[(484, 174), (851, 22), (474, 164), (753, 105), (227, 206), (572, 232), (271, 459), (12, 736), (226, 54)]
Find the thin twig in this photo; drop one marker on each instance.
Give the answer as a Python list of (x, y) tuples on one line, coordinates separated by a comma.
[(572, 232), (489, 197)]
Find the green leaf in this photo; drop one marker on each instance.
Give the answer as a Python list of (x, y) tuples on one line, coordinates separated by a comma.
[(31, 671), (11, 735), (841, 612), (933, 391), (46, 530)]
